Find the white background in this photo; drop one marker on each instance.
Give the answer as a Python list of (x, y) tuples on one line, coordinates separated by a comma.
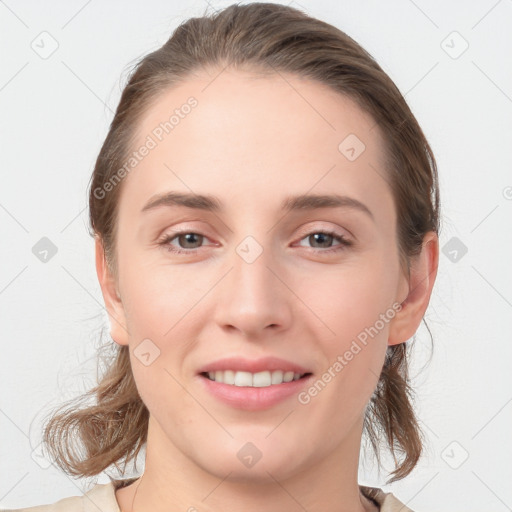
[(54, 117)]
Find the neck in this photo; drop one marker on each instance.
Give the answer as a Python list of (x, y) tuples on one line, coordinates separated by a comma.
[(172, 481)]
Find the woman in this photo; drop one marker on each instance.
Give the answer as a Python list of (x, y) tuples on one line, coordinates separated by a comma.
[(266, 215)]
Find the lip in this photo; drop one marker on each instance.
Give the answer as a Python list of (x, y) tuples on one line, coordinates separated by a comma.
[(254, 398), (253, 365)]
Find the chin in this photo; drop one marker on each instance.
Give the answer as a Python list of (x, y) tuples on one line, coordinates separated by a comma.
[(252, 463)]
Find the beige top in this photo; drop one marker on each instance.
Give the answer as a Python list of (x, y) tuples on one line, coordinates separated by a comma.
[(102, 498)]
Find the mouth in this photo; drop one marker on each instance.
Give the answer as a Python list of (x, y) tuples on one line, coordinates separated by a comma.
[(253, 384), (261, 379), (258, 391)]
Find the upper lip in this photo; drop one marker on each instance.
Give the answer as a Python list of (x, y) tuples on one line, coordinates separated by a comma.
[(253, 365)]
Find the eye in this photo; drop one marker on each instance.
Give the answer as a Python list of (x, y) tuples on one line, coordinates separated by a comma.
[(326, 238), (188, 241)]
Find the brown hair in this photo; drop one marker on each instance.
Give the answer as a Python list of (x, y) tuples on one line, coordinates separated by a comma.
[(272, 38)]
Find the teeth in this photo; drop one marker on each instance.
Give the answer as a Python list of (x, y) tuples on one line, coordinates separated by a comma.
[(256, 380)]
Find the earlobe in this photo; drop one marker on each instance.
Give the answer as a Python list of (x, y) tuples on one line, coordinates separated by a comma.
[(421, 282), (113, 303)]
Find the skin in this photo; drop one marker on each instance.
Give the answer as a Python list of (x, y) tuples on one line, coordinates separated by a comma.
[(252, 141)]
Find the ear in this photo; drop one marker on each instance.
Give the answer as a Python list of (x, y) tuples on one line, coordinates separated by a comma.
[(420, 283), (111, 296)]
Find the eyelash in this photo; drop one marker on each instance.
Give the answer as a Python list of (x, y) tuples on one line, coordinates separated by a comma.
[(343, 242)]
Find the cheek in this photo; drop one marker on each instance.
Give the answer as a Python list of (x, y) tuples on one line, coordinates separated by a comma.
[(351, 298), (353, 306), (356, 305), (161, 306), (158, 296)]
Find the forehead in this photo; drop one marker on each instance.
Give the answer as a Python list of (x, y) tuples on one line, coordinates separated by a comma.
[(233, 132), (257, 107)]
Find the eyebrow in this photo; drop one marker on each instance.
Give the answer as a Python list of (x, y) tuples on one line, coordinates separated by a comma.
[(291, 203)]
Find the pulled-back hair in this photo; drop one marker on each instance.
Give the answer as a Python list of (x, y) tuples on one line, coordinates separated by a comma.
[(86, 439)]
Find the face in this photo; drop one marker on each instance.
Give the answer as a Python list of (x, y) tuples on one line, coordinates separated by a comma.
[(311, 290)]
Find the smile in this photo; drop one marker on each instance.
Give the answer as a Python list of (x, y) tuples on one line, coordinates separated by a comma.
[(257, 380)]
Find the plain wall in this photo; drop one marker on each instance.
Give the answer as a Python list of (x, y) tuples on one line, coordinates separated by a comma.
[(55, 111)]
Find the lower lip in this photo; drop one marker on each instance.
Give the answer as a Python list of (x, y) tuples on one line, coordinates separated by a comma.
[(252, 398)]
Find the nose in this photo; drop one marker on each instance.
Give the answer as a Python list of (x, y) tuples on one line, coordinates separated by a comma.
[(253, 297)]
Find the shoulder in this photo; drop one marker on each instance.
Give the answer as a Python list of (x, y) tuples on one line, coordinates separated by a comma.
[(386, 501), (100, 497)]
